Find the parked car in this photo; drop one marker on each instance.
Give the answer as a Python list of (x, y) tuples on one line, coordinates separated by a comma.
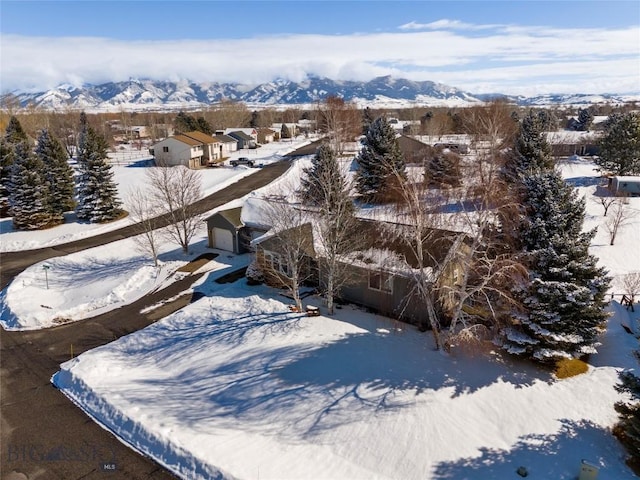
[(241, 161)]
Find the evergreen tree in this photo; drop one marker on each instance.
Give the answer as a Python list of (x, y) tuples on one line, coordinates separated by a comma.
[(58, 174), (96, 190), (367, 120), (29, 191), (184, 123), (531, 151), (585, 119), (381, 165), (14, 135), (620, 146), (323, 185), (628, 428), (203, 126), (564, 299), (443, 168), (284, 131)]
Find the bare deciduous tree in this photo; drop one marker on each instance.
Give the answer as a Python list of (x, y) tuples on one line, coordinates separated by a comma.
[(415, 228), (340, 120), (284, 256), (176, 190), (145, 212), (621, 215), (606, 202), (326, 191), (228, 114), (630, 283)]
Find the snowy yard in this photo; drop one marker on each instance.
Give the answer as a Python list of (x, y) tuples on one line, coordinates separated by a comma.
[(236, 386)]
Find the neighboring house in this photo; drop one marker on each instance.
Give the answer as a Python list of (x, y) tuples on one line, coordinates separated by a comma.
[(381, 280), (227, 232), (191, 149), (266, 135), (244, 140), (293, 128), (414, 151), (627, 185), (138, 132), (251, 132), (569, 143), (227, 145), (178, 150)]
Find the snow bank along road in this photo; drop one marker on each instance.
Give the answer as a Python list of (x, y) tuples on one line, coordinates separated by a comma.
[(45, 436)]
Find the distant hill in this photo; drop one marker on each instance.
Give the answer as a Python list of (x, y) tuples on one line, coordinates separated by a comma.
[(144, 95)]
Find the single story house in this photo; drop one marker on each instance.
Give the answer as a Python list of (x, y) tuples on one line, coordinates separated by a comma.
[(244, 140), (227, 145), (414, 151), (569, 143), (251, 132), (625, 185), (381, 272), (266, 135), (191, 149)]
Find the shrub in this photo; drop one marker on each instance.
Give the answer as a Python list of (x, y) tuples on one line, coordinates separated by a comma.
[(570, 367)]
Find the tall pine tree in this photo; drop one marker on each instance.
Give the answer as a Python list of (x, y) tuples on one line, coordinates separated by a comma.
[(564, 300), (531, 152), (323, 184), (381, 165), (13, 136), (96, 191), (58, 174), (29, 191), (620, 146)]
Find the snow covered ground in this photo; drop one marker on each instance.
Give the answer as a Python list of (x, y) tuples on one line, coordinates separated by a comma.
[(236, 386)]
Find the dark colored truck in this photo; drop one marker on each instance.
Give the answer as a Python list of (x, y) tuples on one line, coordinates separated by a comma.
[(241, 161)]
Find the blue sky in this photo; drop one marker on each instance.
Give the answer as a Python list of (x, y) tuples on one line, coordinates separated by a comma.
[(524, 47)]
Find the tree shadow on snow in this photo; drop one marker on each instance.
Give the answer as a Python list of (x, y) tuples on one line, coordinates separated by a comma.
[(558, 455), (306, 387)]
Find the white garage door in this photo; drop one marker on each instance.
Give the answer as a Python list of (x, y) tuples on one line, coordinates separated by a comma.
[(222, 239)]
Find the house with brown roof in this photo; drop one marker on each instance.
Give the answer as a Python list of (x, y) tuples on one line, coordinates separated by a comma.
[(266, 135), (191, 149)]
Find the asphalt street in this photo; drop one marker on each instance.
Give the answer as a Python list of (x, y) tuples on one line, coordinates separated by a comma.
[(45, 436)]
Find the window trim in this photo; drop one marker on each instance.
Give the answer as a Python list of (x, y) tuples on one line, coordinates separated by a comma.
[(276, 262), (385, 282)]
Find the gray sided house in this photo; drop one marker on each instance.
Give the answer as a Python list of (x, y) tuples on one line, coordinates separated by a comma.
[(227, 232), (244, 140), (380, 273), (627, 185)]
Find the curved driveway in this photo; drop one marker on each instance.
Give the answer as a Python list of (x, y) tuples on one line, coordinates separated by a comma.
[(43, 435)]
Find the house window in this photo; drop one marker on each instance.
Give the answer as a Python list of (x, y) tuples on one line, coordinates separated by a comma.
[(381, 281), (165, 149), (276, 262)]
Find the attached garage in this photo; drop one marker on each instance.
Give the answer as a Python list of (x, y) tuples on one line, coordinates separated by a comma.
[(222, 239), (226, 231)]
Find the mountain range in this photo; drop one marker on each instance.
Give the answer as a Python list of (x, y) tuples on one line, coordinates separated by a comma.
[(381, 92)]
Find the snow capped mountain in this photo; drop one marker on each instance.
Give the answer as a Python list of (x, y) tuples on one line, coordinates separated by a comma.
[(141, 95)]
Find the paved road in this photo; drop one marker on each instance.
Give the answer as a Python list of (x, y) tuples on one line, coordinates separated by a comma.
[(43, 435)]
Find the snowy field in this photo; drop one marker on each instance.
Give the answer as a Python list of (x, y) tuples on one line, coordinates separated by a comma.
[(236, 386)]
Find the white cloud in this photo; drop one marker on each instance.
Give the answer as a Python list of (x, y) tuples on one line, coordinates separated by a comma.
[(446, 24), (507, 59)]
